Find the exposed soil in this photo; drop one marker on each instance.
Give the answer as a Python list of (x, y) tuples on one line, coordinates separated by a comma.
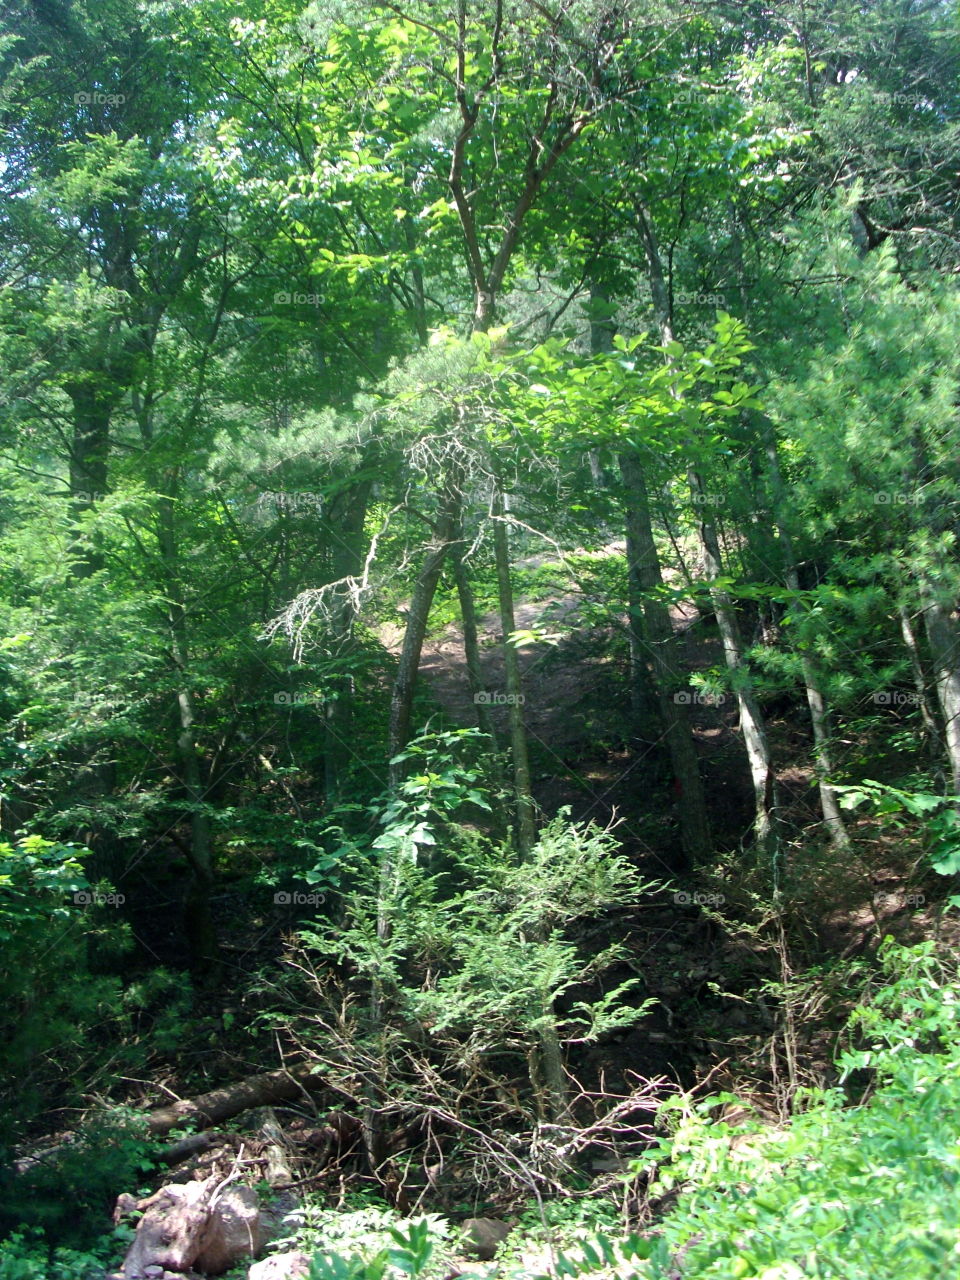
[(703, 971), (584, 751)]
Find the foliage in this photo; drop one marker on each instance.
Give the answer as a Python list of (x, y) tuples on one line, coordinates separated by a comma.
[(813, 1197), (53, 1005), (479, 953), (304, 311), (68, 1192), (558, 1225), (938, 814), (26, 1258), (373, 1242)]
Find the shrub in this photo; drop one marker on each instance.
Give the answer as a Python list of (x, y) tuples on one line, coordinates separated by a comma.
[(860, 1192), (24, 1256), (69, 1192), (51, 1001)]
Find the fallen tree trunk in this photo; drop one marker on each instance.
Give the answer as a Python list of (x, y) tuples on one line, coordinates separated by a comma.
[(194, 1144), (221, 1104)]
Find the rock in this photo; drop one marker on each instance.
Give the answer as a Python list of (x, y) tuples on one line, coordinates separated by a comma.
[(281, 1266), (280, 1216), (232, 1231), (483, 1237), (170, 1230), (126, 1203), (192, 1225)]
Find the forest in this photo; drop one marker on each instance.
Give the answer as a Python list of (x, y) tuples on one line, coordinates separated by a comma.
[(479, 639)]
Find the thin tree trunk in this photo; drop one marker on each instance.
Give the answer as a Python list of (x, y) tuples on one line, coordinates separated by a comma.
[(424, 589), (401, 712), (944, 642), (816, 702), (548, 1072), (751, 720), (471, 647), (930, 731), (547, 1075), (88, 461), (198, 917), (653, 636), (346, 561), (823, 760), (819, 714), (526, 827)]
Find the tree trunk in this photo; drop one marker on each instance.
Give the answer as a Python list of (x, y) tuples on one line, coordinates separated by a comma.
[(198, 917), (424, 589), (209, 1109), (944, 642), (823, 761), (547, 1073), (546, 1061), (526, 827), (471, 647), (751, 719), (346, 561), (652, 636), (88, 460), (930, 731), (401, 712), (644, 561), (819, 715)]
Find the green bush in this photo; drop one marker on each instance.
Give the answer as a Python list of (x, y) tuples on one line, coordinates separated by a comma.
[(26, 1257), (375, 1243), (69, 1192), (51, 1001), (861, 1192)]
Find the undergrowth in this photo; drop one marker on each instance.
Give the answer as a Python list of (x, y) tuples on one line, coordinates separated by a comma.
[(860, 1184)]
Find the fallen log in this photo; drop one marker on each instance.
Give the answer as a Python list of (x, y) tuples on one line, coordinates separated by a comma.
[(192, 1145), (221, 1104)]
